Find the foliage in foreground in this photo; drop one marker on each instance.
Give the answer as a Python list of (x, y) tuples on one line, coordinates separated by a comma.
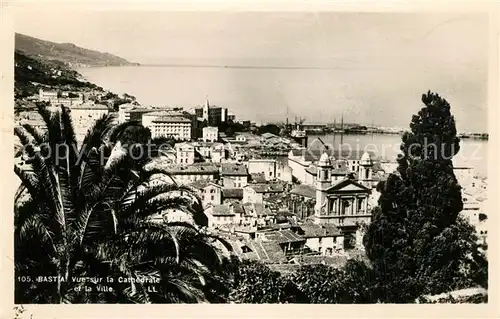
[(417, 242), (85, 212)]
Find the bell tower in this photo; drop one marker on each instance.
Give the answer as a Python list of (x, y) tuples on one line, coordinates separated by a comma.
[(206, 110), (323, 182), (365, 168)]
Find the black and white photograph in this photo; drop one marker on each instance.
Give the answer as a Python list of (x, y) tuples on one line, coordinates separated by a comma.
[(250, 157)]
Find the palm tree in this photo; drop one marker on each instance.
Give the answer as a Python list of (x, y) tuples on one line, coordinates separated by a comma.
[(86, 213)]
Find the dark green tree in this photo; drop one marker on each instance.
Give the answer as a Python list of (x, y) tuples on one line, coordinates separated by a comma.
[(417, 242), (85, 211), (248, 281), (352, 283)]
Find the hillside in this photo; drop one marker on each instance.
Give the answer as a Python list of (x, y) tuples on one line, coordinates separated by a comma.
[(68, 53), (31, 72)]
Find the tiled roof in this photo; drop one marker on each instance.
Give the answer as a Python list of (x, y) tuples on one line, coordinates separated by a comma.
[(257, 209), (304, 190), (238, 208), (313, 230), (198, 169), (202, 183), (232, 193), (267, 188), (231, 169), (258, 177), (222, 210), (283, 236), (267, 252)]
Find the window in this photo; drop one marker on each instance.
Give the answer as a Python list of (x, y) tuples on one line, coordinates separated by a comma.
[(212, 197)]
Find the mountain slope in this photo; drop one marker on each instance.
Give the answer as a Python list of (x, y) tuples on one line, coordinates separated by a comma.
[(68, 53), (31, 73)]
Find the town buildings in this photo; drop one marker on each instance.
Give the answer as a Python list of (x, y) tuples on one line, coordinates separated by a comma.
[(210, 134), (211, 115), (60, 98), (84, 117), (185, 153), (186, 174), (271, 169), (176, 127), (234, 175)]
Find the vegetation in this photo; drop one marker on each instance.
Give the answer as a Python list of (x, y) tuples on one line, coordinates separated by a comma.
[(253, 282), (269, 128), (68, 53), (230, 128), (417, 242), (32, 73), (86, 212)]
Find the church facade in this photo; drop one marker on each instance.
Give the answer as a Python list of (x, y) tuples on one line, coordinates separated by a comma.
[(343, 203)]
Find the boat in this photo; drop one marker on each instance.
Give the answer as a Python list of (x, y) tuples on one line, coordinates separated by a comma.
[(298, 133)]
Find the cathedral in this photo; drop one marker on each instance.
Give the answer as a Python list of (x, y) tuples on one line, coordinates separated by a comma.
[(343, 203)]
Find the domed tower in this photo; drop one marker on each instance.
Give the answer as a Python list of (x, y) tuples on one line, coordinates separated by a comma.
[(365, 167), (323, 182)]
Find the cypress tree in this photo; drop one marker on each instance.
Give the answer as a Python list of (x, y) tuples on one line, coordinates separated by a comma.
[(417, 242)]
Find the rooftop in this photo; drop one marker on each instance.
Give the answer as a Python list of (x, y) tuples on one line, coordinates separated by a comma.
[(267, 188), (304, 190), (202, 183), (171, 119), (89, 106), (197, 168), (258, 177), (283, 236), (257, 209), (231, 169), (232, 193), (267, 252), (222, 210), (313, 230)]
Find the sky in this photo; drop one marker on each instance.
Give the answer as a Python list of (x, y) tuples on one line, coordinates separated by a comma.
[(384, 56)]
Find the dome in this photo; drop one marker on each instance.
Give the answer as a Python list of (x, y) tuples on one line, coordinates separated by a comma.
[(324, 160), (366, 159)]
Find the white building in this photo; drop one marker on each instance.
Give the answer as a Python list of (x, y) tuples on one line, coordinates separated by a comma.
[(210, 134), (271, 168), (234, 175), (343, 204), (124, 112), (56, 98), (184, 175), (176, 127), (219, 215), (184, 153), (325, 239), (85, 115)]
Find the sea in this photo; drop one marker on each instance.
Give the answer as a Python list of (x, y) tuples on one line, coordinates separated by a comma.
[(263, 95)]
